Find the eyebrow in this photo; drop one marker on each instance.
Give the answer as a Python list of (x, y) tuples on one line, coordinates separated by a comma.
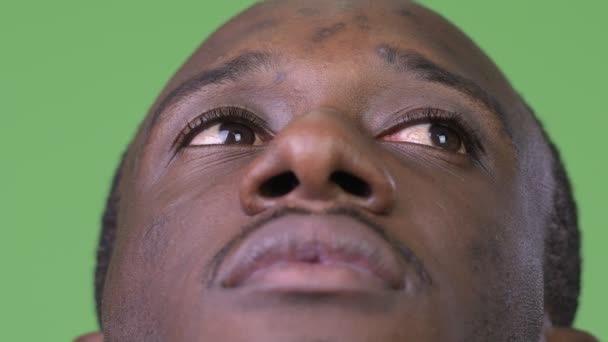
[(234, 70), (407, 61), (412, 61)]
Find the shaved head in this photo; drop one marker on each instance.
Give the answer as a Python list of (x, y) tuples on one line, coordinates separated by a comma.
[(339, 171)]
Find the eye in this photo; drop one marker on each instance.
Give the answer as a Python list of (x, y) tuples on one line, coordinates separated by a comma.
[(226, 133), (431, 134), (224, 126)]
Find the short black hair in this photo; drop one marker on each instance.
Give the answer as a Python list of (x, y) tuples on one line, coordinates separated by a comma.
[(562, 260), (109, 221)]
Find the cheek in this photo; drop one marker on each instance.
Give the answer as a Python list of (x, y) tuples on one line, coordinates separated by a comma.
[(467, 228), (166, 242)]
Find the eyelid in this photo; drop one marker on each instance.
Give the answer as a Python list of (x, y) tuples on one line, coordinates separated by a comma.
[(471, 137), (218, 115)]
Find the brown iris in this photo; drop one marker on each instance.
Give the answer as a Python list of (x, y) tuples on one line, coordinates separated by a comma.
[(236, 133), (445, 137)]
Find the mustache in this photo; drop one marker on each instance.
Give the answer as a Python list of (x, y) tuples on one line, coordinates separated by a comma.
[(402, 250)]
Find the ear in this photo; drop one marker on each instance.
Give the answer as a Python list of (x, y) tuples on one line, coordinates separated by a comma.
[(93, 337)]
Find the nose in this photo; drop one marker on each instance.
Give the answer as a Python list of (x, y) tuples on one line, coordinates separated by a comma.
[(319, 161)]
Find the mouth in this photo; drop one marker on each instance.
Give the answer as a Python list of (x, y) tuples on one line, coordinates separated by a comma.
[(313, 254)]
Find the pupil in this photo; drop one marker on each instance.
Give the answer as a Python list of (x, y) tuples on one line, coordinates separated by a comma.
[(445, 137), (236, 133)]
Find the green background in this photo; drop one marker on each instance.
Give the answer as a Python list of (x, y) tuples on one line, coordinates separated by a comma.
[(76, 77)]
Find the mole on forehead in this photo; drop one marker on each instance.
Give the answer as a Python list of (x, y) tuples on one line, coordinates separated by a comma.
[(324, 33), (406, 12)]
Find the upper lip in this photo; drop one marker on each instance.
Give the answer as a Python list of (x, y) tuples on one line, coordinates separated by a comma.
[(323, 239)]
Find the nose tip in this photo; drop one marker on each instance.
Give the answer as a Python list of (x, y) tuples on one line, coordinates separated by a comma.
[(318, 162)]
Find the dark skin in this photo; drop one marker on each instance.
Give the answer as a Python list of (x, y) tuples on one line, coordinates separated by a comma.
[(374, 126)]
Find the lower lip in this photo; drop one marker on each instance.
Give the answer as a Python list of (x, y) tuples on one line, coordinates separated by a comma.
[(314, 278)]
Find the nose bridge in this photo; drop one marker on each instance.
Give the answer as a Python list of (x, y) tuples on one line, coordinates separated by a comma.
[(319, 141), (320, 160)]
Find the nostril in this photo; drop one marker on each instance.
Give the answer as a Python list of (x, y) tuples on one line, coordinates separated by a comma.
[(279, 185), (351, 184)]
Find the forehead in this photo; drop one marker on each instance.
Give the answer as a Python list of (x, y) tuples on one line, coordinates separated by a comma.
[(342, 30), (342, 36), (331, 41)]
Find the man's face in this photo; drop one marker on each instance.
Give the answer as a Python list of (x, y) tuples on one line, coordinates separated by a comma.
[(330, 171)]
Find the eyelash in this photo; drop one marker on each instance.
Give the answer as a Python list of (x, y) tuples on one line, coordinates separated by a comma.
[(215, 116), (424, 115), (470, 136)]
